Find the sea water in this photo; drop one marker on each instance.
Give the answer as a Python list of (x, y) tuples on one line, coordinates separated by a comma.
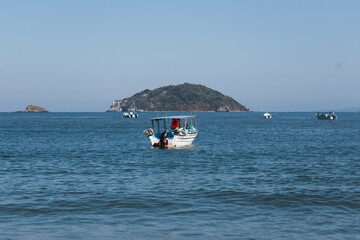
[(95, 176)]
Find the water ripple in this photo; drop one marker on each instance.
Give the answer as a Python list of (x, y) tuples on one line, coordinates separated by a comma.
[(94, 176)]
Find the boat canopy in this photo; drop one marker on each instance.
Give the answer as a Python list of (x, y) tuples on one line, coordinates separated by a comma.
[(173, 117)]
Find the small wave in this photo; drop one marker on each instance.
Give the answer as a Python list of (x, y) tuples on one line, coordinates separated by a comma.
[(186, 212)]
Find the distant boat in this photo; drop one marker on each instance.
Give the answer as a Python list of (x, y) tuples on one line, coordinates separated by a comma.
[(130, 115), (267, 115), (326, 115), (183, 131)]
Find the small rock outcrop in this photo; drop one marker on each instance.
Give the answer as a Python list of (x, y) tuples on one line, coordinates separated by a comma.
[(33, 108), (180, 98)]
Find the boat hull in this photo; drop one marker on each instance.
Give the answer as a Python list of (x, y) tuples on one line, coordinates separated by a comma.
[(176, 141), (327, 118)]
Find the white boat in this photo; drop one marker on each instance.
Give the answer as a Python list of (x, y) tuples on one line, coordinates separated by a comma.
[(131, 112), (326, 116), (130, 115), (182, 131), (267, 115)]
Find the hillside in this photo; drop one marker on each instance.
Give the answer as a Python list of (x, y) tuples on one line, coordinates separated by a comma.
[(180, 98)]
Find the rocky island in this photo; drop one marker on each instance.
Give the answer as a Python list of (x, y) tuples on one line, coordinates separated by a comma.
[(33, 108), (179, 98)]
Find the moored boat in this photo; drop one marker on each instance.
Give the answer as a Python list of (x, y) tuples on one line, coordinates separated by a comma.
[(130, 115), (326, 115), (182, 132), (131, 112), (267, 115)]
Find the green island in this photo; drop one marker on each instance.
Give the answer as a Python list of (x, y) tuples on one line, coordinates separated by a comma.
[(179, 98), (33, 108)]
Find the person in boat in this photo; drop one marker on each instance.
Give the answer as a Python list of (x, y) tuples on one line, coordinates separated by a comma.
[(176, 127), (175, 124)]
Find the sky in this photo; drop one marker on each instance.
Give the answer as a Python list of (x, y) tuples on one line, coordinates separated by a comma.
[(80, 56)]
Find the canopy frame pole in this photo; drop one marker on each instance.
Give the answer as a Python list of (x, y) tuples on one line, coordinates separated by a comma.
[(158, 123), (195, 123)]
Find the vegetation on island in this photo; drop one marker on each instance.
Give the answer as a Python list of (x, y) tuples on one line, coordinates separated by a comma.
[(184, 97), (33, 108)]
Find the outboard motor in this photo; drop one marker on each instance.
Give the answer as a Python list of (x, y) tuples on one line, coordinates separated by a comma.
[(163, 137)]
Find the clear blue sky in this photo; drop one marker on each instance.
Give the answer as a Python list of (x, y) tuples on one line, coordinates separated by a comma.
[(268, 55)]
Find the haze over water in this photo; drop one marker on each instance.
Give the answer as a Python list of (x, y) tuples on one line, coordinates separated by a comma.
[(95, 176)]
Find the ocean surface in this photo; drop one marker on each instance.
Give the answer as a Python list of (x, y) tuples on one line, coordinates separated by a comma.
[(95, 176)]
